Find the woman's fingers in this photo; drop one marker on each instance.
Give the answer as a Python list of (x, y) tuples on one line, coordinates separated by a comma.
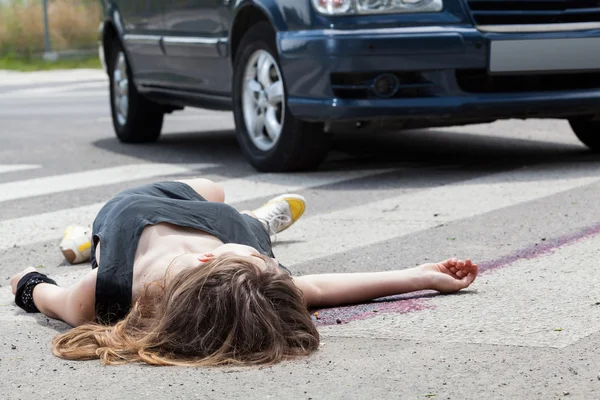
[(465, 267), (471, 275)]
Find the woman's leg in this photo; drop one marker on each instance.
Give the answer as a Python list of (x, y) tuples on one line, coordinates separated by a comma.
[(279, 213), (76, 243), (206, 188)]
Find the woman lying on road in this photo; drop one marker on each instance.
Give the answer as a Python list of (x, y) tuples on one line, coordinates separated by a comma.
[(180, 278)]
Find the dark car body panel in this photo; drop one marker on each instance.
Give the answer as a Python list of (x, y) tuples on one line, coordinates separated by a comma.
[(195, 35), (184, 57)]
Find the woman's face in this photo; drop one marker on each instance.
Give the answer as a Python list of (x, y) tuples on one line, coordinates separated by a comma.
[(235, 249), (195, 260), (232, 249)]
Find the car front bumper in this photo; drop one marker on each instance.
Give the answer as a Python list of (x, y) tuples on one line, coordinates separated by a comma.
[(317, 64)]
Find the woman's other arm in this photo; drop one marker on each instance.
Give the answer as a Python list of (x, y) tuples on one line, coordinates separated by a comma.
[(74, 304), (328, 290)]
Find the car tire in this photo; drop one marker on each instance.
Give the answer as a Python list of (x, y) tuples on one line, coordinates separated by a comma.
[(275, 141), (135, 118), (587, 131)]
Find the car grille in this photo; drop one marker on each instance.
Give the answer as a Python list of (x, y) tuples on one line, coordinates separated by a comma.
[(532, 12), (480, 81)]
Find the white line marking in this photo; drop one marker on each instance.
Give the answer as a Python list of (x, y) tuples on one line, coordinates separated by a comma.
[(93, 178), (262, 185), (183, 118), (56, 91), (17, 167), (50, 226), (12, 78), (378, 221), (61, 95)]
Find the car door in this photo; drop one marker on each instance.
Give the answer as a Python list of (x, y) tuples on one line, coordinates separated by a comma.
[(195, 44), (143, 24)]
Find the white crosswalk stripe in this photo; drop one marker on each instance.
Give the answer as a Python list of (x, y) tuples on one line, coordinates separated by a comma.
[(41, 86), (412, 212), (94, 178), (58, 91), (49, 226), (10, 78), (25, 97)]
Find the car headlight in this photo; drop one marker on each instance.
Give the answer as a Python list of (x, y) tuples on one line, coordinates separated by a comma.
[(345, 7)]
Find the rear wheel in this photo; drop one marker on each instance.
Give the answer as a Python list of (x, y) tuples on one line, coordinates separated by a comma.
[(270, 137), (588, 131), (135, 118)]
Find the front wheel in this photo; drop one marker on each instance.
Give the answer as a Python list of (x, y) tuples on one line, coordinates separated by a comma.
[(270, 137), (135, 118), (587, 131)]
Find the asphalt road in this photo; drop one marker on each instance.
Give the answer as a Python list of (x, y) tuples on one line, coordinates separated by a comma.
[(520, 198)]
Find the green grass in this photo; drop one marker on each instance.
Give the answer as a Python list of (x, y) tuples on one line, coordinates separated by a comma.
[(73, 25), (26, 65)]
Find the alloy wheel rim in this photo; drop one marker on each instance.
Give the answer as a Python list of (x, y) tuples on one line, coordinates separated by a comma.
[(121, 89), (263, 100)]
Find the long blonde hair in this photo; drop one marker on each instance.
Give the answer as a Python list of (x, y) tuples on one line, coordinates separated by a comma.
[(227, 311)]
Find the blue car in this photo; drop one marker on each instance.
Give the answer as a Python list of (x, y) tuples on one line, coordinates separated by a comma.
[(296, 71)]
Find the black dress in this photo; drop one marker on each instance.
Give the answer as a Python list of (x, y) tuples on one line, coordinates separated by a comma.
[(120, 223)]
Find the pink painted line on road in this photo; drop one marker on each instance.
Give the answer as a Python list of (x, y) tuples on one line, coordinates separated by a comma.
[(412, 302), (540, 249), (397, 304)]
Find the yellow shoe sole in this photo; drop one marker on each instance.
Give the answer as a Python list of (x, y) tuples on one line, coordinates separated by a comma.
[(296, 202)]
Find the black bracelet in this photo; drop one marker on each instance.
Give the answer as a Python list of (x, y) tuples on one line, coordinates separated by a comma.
[(24, 295)]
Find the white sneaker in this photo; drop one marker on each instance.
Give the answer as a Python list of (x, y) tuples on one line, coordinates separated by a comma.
[(76, 244), (281, 212)]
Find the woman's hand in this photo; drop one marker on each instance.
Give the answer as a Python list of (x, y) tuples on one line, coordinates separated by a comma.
[(451, 275), (15, 279)]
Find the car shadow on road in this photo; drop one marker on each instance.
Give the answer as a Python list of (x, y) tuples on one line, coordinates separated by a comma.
[(190, 147), (417, 148), (439, 146)]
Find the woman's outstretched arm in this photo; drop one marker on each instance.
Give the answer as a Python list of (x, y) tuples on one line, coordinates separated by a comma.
[(328, 290), (74, 304)]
